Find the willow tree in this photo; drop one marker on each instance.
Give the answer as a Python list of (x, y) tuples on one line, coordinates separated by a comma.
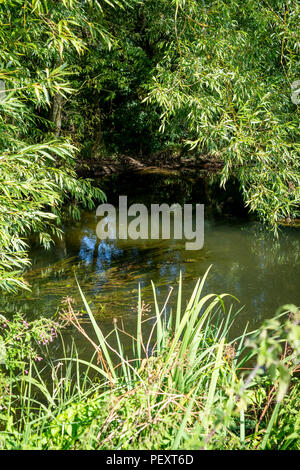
[(224, 80), (39, 40)]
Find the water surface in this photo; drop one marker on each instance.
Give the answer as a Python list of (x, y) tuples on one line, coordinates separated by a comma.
[(247, 262)]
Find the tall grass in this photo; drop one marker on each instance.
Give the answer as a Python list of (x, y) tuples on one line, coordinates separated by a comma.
[(187, 385)]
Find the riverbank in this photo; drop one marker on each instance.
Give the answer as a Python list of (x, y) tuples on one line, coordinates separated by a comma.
[(187, 386), (163, 162)]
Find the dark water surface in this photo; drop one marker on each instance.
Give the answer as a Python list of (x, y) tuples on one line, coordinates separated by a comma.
[(247, 261)]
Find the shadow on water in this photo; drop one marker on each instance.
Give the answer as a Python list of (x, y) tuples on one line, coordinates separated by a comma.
[(247, 261)]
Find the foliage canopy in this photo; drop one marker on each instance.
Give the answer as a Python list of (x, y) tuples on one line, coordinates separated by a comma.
[(89, 78)]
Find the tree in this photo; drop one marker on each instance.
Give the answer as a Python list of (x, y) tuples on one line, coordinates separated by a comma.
[(224, 82), (38, 42)]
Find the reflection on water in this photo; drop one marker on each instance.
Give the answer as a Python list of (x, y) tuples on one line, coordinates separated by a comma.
[(247, 262)]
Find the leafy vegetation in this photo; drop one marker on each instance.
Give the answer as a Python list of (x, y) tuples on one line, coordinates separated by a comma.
[(225, 80), (38, 173), (98, 77), (187, 386), (84, 80)]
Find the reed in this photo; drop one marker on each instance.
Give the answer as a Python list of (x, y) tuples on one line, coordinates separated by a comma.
[(187, 385)]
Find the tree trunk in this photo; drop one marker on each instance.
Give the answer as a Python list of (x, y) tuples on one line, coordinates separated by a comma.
[(56, 113)]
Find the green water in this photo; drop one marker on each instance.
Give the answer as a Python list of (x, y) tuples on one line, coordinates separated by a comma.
[(246, 260)]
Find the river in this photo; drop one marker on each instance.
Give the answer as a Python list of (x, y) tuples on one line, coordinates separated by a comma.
[(247, 261)]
